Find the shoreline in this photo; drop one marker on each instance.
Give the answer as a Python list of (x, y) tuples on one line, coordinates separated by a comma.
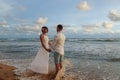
[(84, 70), (7, 72)]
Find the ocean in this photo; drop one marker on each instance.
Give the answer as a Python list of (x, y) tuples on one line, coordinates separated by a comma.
[(99, 56)]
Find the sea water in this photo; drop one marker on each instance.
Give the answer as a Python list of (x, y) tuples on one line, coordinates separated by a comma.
[(90, 55)]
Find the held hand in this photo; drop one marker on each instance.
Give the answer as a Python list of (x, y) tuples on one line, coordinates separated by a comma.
[(49, 50)]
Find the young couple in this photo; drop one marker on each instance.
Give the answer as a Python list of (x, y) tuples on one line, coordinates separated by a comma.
[(40, 64)]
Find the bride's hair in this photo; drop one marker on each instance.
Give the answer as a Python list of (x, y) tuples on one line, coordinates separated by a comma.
[(44, 27)]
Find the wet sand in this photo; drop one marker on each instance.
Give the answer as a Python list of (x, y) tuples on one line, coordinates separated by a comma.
[(87, 70), (6, 72)]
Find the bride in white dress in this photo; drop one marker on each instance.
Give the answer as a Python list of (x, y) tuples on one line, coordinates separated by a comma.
[(40, 64)]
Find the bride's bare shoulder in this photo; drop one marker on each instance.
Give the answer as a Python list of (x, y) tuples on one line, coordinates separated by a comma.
[(41, 36)]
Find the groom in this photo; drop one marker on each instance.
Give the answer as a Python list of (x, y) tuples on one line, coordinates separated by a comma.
[(58, 47)]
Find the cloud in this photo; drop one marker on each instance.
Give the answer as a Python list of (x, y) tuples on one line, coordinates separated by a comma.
[(114, 15), (5, 8), (42, 20), (103, 27), (28, 28), (23, 27), (92, 28), (75, 30), (20, 29), (108, 25), (71, 29), (84, 6), (117, 31), (3, 23), (21, 8), (20, 20)]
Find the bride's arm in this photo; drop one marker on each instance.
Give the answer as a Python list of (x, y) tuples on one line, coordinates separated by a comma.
[(41, 40)]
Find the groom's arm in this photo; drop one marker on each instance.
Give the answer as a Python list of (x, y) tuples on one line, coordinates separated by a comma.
[(54, 42), (49, 43)]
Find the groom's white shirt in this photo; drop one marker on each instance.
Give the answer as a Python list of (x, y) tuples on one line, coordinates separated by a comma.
[(58, 43)]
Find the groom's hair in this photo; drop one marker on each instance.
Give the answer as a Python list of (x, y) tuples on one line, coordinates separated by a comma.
[(60, 26), (44, 27)]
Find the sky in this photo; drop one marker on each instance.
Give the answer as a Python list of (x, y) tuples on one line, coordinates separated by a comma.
[(80, 18)]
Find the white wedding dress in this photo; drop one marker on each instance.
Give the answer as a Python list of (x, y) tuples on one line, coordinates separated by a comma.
[(40, 64)]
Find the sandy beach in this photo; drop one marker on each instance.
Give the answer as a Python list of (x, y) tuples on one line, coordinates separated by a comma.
[(70, 72), (6, 72)]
